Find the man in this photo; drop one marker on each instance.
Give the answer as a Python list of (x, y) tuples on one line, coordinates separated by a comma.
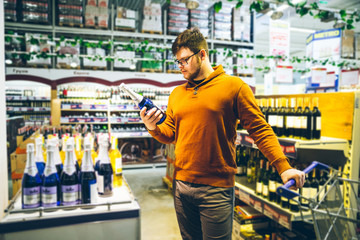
[(201, 121)]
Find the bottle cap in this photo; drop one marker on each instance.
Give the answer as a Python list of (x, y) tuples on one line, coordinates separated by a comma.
[(30, 147)]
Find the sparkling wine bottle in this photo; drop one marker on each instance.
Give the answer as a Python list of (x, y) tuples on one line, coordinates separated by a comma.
[(88, 177), (51, 190), (142, 101), (31, 182), (116, 162), (57, 158), (39, 157), (104, 169), (69, 179)]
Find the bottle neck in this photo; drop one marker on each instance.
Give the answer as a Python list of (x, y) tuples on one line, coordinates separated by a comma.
[(30, 168), (39, 153), (87, 165), (69, 166), (103, 154), (50, 164)]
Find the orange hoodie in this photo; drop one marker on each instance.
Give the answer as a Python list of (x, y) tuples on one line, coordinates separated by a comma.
[(201, 121)]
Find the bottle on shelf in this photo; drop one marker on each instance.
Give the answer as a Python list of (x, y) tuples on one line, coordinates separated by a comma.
[(88, 176), (279, 183), (316, 120), (294, 203), (290, 119), (306, 191), (265, 181), (314, 185), (31, 182), (69, 179), (298, 119), (116, 162), (331, 191), (57, 158), (322, 186), (238, 159), (251, 167), (272, 184), (306, 121), (272, 114), (142, 101), (51, 189), (39, 157), (259, 177), (71, 140), (281, 120), (104, 169)]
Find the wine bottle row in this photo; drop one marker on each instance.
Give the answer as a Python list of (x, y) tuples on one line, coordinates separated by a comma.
[(252, 164), (294, 117), (112, 93), (71, 176)]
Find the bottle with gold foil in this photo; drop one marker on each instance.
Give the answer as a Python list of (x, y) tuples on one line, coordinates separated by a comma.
[(272, 114), (316, 120), (79, 152), (116, 162)]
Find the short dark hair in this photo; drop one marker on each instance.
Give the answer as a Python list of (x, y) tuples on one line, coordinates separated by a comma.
[(192, 39)]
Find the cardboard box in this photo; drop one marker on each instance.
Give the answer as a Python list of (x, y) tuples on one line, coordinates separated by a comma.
[(124, 22), (18, 163)]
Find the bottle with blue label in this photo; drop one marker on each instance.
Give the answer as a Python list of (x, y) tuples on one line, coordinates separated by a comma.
[(104, 169), (51, 189), (88, 177), (142, 101), (69, 179), (31, 182), (39, 157)]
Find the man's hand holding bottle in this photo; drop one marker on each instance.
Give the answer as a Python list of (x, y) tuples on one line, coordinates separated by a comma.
[(151, 117)]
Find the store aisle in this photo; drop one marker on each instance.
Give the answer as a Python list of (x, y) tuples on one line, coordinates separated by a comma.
[(158, 219)]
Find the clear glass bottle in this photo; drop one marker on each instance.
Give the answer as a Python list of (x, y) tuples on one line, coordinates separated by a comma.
[(88, 176)]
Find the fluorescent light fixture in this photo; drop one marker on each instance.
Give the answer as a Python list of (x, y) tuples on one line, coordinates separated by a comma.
[(73, 64), (295, 29), (8, 61)]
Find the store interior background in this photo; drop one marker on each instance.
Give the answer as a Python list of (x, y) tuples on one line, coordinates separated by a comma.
[(300, 28)]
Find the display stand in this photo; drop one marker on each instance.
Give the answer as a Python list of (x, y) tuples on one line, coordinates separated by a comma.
[(115, 217)]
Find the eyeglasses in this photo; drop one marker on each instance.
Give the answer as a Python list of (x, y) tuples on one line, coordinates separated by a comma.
[(183, 62)]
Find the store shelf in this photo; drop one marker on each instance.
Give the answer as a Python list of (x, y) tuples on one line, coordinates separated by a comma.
[(284, 217), (147, 165), (331, 151), (87, 107), (121, 208), (30, 98), (131, 135)]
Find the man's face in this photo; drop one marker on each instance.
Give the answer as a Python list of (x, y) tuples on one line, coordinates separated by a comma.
[(190, 63)]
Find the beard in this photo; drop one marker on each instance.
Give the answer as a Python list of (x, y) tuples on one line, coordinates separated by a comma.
[(195, 74)]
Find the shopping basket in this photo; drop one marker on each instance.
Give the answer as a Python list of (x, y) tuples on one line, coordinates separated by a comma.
[(326, 211)]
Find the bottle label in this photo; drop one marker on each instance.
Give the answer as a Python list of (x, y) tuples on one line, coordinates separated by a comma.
[(318, 123), (331, 194), (258, 187), (297, 122), (118, 165), (31, 197), (49, 196), (295, 198), (70, 194), (265, 190), (248, 171), (93, 192), (280, 121), (313, 192), (303, 122), (305, 193), (272, 186), (272, 120), (322, 192), (290, 121)]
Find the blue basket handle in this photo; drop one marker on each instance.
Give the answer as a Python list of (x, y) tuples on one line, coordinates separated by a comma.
[(284, 190)]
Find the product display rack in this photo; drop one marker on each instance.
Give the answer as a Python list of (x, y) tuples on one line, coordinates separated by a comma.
[(119, 212)]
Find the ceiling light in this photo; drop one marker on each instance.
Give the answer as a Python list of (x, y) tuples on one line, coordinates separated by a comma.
[(276, 15), (8, 61), (192, 4), (339, 23), (73, 64)]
